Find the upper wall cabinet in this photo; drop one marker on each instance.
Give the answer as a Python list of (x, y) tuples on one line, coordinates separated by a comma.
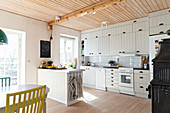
[(91, 47), (142, 42), (106, 32), (140, 26), (126, 29), (115, 44), (104, 45), (159, 22), (128, 43)]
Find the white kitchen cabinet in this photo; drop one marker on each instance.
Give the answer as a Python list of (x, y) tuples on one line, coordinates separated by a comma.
[(112, 80), (159, 29), (141, 82), (106, 32), (100, 78), (91, 47), (141, 26), (142, 42), (127, 28), (115, 44), (104, 45), (89, 78), (85, 36), (128, 43)]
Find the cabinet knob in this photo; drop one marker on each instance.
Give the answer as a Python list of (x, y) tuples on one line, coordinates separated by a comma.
[(120, 52), (141, 86), (111, 77), (85, 38), (112, 84), (123, 52), (134, 21), (111, 73), (112, 70), (112, 81), (109, 34), (137, 51), (124, 32), (161, 24), (96, 36), (100, 53)]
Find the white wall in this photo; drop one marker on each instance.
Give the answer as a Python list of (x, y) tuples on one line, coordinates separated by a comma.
[(35, 31), (57, 30)]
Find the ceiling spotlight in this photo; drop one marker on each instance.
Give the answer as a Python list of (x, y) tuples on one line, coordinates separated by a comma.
[(84, 14), (104, 23), (57, 19), (93, 12)]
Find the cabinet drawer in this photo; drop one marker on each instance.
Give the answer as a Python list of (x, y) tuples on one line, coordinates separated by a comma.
[(140, 88), (142, 79), (111, 81), (111, 70), (112, 77), (115, 86), (141, 72)]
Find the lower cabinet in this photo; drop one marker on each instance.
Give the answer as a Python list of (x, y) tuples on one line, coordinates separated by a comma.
[(141, 82), (100, 78), (112, 80), (89, 78)]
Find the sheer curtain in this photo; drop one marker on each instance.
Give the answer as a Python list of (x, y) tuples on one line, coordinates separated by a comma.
[(66, 50)]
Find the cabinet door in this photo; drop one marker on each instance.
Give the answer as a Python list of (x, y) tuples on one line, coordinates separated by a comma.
[(91, 47), (87, 44), (128, 42), (104, 45), (100, 78), (89, 77), (115, 44), (142, 42)]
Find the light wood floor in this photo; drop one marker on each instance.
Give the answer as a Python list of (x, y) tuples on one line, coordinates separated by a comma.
[(96, 101)]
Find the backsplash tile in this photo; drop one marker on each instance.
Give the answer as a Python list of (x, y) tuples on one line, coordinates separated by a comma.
[(128, 61)]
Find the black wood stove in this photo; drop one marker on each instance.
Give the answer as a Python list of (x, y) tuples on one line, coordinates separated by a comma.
[(159, 88)]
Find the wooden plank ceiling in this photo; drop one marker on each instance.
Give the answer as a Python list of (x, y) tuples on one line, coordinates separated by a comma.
[(46, 10)]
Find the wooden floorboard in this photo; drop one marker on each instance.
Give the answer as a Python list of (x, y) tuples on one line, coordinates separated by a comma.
[(97, 101)]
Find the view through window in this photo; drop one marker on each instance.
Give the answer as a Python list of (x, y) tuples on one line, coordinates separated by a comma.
[(9, 58), (66, 50)]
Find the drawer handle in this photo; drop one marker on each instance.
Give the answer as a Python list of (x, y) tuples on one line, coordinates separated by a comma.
[(108, 34), (111, 70), (161, 24), (123, 52), (161, 32), (137, 51), (85, 38), (141, 72), (124, 32), (112, 84), (141, 86), (100, 53), (111, 77), (111, 73), (140, 29), (141, 77), (112, 81), (96, 36), (135, 21), (120, 52)]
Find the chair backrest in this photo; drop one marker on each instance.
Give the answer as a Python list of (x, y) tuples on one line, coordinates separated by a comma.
[(5, 80), (28, 101)]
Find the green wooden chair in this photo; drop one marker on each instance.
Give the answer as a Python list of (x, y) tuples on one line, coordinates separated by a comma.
[(7, 81)]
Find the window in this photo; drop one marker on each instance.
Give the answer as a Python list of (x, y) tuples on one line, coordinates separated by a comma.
[(66, 50), (9, 58)]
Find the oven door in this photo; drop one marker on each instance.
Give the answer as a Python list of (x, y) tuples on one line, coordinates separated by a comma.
[(126, 79)]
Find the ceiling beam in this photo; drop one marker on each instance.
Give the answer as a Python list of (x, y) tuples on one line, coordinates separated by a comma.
[(87, 10)]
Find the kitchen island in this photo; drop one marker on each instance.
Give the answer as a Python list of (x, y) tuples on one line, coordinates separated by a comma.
[(65, 85)]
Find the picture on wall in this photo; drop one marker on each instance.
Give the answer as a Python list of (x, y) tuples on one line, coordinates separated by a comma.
[(45, 49)]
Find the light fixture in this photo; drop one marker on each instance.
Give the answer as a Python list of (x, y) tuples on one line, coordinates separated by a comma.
[(57, 19), (85, 13), (3, 38), (104, 23)]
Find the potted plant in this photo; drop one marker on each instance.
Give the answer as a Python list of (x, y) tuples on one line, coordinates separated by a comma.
[(50, 63), (111, 62)]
